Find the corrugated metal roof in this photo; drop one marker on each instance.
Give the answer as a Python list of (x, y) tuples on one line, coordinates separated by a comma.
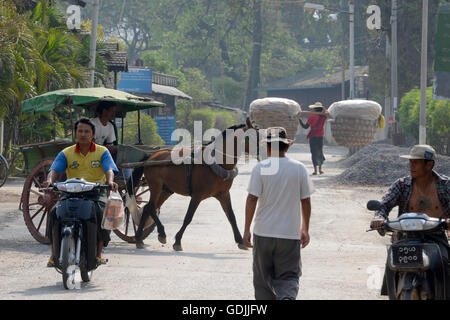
[(171, 91), (315, 78)]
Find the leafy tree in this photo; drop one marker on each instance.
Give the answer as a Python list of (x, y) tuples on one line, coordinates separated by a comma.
[(149, 134), (438, 118)]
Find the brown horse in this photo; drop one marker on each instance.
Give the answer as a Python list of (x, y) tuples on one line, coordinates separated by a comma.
[(199, 181)]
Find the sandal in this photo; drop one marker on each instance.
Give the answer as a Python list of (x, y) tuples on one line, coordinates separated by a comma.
[(51, 263), (101, 261)]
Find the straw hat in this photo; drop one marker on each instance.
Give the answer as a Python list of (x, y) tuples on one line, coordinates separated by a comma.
[(316, 105)]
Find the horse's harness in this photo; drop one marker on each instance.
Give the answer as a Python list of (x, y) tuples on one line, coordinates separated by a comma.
[(217, 169)]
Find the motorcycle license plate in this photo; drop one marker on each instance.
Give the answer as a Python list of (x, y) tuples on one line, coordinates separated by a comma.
[(407, 255)]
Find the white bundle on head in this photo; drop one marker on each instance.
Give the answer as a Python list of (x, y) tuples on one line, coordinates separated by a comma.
[(276, 112), (361, 109)]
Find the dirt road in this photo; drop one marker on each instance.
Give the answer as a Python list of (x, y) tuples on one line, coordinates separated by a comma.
[(341, 262)]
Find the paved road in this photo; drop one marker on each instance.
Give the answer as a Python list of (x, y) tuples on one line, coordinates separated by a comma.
[(341, 262)]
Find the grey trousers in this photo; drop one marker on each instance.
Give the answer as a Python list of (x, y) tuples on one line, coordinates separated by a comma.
[(276, 268)]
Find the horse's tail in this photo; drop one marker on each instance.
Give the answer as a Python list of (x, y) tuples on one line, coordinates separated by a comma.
[(135, 177)]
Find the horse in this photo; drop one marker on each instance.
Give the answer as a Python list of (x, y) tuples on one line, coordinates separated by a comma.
[(199, 181)]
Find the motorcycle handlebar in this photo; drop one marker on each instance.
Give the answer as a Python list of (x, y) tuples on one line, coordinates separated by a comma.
[(52, 187)]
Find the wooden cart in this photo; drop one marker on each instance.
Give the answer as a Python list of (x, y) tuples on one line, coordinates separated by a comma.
[(38, 158)]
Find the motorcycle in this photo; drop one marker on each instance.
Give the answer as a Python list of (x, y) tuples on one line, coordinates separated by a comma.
[(77, 232), (417, 269)]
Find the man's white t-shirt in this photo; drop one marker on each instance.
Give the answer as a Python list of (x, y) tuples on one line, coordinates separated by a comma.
[(103, 134), (280, 184)]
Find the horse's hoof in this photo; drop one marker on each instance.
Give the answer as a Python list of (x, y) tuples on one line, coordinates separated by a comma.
[(242, 246), (177, 247), (162, 239), (140, 245)]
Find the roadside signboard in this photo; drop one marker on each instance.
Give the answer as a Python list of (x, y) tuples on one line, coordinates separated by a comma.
[(136, 80), (166, 125)]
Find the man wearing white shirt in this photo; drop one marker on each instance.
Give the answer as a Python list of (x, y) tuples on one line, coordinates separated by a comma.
[(104, 129), (282, 188)]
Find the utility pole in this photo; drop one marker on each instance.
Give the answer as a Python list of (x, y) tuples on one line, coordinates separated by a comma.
[(423, 75), (1, 135), (387, 99), (394, 64), (93, 46), (352, 48)]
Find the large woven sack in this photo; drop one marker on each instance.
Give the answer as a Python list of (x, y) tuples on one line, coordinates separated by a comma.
[(276, 112), (360, 109), (354, 122), (353, 132)]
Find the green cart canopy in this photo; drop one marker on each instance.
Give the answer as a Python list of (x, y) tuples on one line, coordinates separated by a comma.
[(87, 98)]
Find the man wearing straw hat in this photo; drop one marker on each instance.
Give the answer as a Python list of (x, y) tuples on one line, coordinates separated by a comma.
[(282, 188), (316, 122)]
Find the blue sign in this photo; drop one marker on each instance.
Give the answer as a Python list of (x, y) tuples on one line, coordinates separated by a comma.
[(166, 125), (136, 81)]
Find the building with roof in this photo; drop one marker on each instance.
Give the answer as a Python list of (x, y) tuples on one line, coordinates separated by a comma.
[(144, 82), (116, 61), (319, 85)]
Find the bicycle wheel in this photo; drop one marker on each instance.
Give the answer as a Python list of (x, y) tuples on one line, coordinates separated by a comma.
[(3, 170)]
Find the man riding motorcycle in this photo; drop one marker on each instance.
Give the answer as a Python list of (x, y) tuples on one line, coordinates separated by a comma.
[(91, 162), (424, 191)]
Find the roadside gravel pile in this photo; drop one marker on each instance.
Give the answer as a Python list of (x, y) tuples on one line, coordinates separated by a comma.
[(380, 164)]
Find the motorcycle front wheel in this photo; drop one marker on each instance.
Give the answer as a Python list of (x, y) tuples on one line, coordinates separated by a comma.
[(412, 294), (68, 262), (86, 276)]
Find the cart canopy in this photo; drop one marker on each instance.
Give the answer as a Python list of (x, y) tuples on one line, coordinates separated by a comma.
[(87, 98)]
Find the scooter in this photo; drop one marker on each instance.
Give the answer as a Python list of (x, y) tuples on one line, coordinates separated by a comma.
[(417, 270), (77, 241)]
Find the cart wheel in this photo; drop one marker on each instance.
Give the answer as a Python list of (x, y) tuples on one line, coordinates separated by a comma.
[(37, 204), (128, 230)]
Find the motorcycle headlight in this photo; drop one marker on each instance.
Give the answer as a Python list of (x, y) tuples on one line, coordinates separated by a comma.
[(74, 187), (431, 224), (412, 224)]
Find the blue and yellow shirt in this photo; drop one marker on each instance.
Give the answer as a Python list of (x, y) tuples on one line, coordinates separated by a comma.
[(91, 167)]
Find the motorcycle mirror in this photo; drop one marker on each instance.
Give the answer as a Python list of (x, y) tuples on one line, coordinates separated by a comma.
[(374, 205)]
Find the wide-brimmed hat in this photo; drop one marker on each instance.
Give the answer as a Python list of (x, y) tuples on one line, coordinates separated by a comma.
[(277, 134), (421, 151), (316, 105)]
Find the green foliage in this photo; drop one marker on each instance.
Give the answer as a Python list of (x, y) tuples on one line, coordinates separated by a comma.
[(224, 119), (155, 60), (38, 54), (149, 134), (438, 118), (207, 118), (228, 90)]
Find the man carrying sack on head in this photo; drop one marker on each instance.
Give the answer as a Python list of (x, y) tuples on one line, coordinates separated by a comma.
[(317, 123)]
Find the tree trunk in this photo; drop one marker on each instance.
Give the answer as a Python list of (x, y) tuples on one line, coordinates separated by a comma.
[(255, 62)]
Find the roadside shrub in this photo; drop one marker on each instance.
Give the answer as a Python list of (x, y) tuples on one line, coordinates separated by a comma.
[(438, 118)]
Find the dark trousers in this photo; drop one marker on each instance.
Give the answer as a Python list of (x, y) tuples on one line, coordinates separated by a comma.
[(102, 234), (316, 147), (276, 268)]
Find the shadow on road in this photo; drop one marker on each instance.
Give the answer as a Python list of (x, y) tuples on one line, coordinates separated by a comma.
[(129, 249), (58, 289)]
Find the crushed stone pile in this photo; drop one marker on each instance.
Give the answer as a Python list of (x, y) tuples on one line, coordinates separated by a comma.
[(380, 164)]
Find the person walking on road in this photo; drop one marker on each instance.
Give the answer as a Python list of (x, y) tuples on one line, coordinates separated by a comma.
[(282, 188), (317, 123)]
